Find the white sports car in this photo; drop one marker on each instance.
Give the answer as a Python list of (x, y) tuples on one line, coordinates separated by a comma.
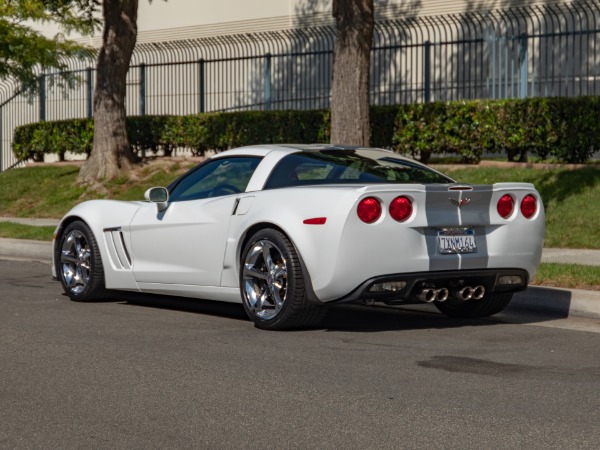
[(289, 229)]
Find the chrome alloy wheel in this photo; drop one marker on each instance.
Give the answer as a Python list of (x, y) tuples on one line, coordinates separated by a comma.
[(265, 279), (75, 261)]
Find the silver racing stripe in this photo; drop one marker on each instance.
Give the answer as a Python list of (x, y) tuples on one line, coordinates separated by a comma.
[(437, 261), (443, 211), (477, 212), (480, 259), (477, 215), (440, 214)]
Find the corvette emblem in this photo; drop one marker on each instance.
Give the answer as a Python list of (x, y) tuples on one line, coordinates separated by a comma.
[(459, 203)]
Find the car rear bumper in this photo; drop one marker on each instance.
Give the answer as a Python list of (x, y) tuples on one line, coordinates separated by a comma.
[(408, 287)]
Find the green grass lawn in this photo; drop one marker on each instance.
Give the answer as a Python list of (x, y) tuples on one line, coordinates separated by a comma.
[(50, 191), (17, 231), (573, 276), (571, 200)]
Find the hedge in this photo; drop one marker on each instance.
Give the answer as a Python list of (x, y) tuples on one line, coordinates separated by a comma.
[(566, 129)]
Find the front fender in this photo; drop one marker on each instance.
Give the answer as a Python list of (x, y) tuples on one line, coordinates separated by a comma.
[(100, 215)]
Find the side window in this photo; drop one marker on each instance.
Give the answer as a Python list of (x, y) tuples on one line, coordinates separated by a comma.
[(219, 177)]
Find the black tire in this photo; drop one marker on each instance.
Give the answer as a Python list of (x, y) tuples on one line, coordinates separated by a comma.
[(487, 306), (272, 284), (79, 265)]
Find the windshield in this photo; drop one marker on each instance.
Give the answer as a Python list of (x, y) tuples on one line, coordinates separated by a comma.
[(359, 166)]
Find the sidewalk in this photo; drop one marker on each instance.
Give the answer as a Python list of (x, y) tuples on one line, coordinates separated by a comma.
[(561, 302), (38, 222), (571, 256)]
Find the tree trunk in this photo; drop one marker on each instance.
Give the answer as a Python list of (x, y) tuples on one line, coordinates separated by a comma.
[(111, 151), (351, 64)]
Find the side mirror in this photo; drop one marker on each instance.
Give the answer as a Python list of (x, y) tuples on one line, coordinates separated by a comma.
[(158, 195)]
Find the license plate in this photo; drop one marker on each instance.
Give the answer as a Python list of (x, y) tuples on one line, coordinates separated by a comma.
[(456, 240)]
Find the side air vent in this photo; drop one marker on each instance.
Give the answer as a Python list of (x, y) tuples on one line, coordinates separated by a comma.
[(115, 244)]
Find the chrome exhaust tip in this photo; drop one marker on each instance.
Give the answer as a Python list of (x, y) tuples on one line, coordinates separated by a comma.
[(441, 295), (478, 292), (427, 295), (464, 293)]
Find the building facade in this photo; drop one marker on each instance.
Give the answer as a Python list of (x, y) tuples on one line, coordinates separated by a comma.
[(199, 56)]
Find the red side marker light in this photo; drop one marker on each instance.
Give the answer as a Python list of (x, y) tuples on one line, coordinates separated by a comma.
[(315, 221)]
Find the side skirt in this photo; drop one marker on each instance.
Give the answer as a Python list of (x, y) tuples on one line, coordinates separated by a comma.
[(223, 294)]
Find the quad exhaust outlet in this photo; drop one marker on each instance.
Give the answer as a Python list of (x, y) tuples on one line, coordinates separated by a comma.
[(465, 293), (430, 295), (478, 293)]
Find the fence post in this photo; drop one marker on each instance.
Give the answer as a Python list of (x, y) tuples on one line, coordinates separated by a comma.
[(523, 65), (427, 72), (143, 97), (201, 69), (42, 96), (268, 82), (88, 85), (142, 89)]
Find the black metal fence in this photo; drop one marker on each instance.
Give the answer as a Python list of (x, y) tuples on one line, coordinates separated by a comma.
[(543, 50)]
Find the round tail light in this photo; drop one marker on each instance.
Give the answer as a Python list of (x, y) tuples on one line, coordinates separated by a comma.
[(528, 206), (506, 205), (401, 208), (369, 210)]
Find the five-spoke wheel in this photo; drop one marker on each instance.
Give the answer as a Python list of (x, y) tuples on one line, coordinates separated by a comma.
[(79, 265), (75, 261), (273, 285), (265, 279)]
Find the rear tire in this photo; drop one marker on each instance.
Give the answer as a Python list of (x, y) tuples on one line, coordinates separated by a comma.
[(273, 286), (487, 306), (79, 265)]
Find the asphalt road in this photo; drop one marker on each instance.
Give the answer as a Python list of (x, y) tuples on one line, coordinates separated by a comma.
[(195, 374)]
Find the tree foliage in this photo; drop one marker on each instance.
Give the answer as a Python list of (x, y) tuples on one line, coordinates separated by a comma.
[(25, 52)]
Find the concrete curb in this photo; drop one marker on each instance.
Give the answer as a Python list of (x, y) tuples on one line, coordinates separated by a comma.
[(571, 256), (558, 301), (34, 222), (26, 249)]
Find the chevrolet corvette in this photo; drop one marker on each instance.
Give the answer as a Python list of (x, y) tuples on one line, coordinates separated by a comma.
[(288, 230)]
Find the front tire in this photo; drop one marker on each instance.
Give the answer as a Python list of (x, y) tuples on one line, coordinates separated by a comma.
[(487, 306), (273, 286), (79, 265)]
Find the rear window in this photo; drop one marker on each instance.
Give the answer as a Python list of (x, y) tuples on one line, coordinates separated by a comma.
[(360, 166)]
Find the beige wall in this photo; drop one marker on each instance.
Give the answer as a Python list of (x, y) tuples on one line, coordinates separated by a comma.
[(184, 19)]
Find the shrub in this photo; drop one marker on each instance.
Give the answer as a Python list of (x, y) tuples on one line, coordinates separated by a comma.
[(561, 128)]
